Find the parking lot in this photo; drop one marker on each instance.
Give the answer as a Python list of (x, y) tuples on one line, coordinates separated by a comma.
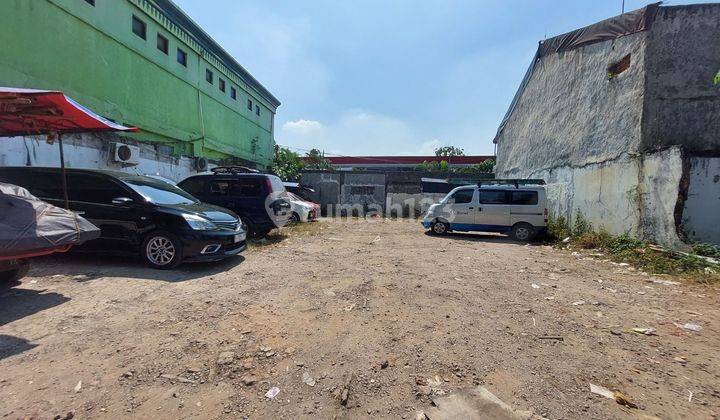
[(369, 309)]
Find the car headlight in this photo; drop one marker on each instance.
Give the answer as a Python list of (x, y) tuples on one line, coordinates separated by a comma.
[(199, 223)]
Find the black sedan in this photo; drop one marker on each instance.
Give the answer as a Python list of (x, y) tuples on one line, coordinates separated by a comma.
[(139, 214)]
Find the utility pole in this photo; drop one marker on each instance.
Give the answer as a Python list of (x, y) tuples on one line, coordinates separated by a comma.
[(623, 6)]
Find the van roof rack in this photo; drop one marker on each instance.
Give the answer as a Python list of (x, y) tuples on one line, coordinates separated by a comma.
[(515, 182), (234, 170)]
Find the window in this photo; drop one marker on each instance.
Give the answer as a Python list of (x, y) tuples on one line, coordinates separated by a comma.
[(619, 67), (362, 190), (462, 197), (182, 57), (138, 27), (90, 2), (249, 105), (233, 93), (237, 188), (221, 83), (162, 43), (257, 109), (159, 192), (528, 198), (492, 197), (208, 76), (94, 189), (194, 186)]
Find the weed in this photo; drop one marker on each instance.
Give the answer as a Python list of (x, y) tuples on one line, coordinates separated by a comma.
[(707, 250), (582, 226)]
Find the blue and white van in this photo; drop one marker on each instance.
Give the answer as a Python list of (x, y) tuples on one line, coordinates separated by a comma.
[(519, 210)]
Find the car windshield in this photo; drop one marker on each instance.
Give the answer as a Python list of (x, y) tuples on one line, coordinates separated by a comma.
[(159, 192)]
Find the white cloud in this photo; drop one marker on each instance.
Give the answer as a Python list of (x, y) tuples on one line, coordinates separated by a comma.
[(357, 132), (428, 147), (302, 126)]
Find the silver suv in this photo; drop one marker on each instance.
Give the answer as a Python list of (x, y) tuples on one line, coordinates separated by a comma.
[(518, 210)]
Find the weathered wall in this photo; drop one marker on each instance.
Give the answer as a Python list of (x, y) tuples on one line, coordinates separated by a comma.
[(570, 114), (682, 106), (395, 193), (634, 194), (365, 190), (701, 215), (92, 152)]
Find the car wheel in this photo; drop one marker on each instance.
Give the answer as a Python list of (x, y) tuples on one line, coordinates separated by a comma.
[(294, 218), (439, 228), (14, 274), (523, 232), (162, 250)]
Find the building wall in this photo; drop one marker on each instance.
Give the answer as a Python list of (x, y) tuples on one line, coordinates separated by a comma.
[(91, 53), (701, 214), (92, 151), (571, 115), (635, 153), (682, 106)]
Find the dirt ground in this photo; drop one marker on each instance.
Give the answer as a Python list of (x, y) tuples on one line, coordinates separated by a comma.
[(370, 308)]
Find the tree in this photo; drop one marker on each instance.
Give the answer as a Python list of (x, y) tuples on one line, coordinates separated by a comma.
[(287, 164), (449, 151), (316, 160)]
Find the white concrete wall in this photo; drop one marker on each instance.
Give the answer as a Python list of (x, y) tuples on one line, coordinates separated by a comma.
[(632, 194), (91, 151), (701, 216)]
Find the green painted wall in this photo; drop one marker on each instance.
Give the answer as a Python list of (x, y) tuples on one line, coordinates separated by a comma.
[(91, 53)]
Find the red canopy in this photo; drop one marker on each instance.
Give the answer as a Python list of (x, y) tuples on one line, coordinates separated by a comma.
[(31, 111)]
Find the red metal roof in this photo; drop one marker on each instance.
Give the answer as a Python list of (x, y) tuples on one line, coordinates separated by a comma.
[(31, 111), (403, 160)]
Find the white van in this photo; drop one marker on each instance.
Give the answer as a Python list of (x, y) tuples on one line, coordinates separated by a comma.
[(518, 210)]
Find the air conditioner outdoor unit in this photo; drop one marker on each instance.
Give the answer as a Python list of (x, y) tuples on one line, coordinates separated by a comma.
[(201, 164), (126, 154)]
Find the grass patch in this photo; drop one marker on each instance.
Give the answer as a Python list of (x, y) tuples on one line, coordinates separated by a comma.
[(639, 254)]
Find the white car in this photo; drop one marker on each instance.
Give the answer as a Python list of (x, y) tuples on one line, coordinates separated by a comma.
[(520, 211), (302, 210)]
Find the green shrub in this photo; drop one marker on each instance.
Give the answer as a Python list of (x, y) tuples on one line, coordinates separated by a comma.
[(581, 226)]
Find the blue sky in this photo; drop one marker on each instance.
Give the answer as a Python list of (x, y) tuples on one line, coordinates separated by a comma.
[(391, 77)]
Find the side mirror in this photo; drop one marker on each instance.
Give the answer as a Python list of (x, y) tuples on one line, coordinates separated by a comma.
[(122, 201)]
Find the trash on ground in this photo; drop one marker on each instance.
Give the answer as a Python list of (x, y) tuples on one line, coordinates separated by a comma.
[(644, 331), (566, 240), (78, 387), (535, 286), (618, 396), (309, 381), (272, 393), (578, 303), (474, 403), (691, 327), (665, 282)]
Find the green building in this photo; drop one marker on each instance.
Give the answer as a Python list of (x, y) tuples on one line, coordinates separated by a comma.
[(143, 63)]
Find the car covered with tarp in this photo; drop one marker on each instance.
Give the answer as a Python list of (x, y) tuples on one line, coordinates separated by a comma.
[(30, 227)]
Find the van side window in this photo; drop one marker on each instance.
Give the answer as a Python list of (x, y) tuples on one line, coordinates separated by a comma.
[(492, 197), (528, 198), (463, 196)]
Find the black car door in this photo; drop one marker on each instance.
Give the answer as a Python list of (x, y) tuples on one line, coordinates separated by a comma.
[(92, 196)]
